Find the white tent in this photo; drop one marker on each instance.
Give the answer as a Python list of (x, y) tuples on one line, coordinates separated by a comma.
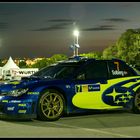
[(10, 65), (0, 73)]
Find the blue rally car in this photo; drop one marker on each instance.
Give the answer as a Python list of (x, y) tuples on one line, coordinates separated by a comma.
[(72, 86)]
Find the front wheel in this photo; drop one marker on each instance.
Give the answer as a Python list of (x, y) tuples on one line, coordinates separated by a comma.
[(136, 103), (50, 105)]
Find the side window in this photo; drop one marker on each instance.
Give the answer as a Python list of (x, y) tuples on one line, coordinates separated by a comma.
[(119, 69), (94, 70)]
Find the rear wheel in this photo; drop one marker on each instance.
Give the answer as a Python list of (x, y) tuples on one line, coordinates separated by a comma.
[(50, 105), (136, 103)]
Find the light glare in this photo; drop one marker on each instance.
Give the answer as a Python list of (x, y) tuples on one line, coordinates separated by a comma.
[(76, 33)]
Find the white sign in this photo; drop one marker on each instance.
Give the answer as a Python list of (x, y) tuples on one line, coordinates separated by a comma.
[(24, 72)]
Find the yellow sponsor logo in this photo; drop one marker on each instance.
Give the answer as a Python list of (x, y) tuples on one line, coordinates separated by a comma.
[(22, 105), (21, 111), (4, 101), (15, 82), (31, 93)]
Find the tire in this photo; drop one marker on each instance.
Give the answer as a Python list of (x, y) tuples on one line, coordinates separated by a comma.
[(50, 105), (136, 103)]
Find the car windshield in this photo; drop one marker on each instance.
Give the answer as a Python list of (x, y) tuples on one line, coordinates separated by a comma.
[(59, 71)]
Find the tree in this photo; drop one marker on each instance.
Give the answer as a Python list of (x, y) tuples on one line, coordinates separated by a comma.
[(126, 48), (110, 52), (48, 61), (23, 64), (96, 55), (129, 47), (58, 57), (40, 63)]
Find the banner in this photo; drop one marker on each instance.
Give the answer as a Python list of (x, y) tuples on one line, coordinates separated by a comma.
[(25, 72)]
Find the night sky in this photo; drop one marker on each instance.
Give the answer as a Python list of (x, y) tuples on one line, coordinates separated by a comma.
[(33, 29)]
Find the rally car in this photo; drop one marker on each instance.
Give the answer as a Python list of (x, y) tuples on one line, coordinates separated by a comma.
[(72, 86)]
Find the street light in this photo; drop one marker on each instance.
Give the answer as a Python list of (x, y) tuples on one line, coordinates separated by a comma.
[(76, 34)]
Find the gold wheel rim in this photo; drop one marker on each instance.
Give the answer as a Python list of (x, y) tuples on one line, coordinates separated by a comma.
[(52, 105)]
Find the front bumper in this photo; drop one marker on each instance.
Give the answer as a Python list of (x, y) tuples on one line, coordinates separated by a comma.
[(17, 109)]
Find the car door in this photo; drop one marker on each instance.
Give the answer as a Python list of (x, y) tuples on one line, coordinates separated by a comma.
[(122, 82), (90, 83), (105, 85)]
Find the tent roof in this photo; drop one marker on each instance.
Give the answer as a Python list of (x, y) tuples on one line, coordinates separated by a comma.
[(10, 64)]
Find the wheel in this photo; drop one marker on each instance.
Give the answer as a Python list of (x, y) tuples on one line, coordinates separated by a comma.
[(50, 105), (136, 103)]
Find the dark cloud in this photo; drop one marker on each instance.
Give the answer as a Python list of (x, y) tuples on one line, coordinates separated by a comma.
[(116, 19), (100, 28), (61, 20), (53, 28), (106, 26), (59, 26)]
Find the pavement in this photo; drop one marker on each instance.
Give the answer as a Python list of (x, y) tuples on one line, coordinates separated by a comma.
[(100, 125)]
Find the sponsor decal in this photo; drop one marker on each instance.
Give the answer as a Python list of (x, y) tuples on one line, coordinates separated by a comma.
[(21, 111), (24, 72), (78, 88), (116, 72), (94, 87), (15, 101), (10, 108), (15, 82), (23, 105), (30, 93), (118, 96), (88, 88), (84, 88), (123, 98), (117, 65), (4, 101)]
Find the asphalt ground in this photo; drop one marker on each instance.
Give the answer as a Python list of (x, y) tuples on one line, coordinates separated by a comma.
[(118, 124)]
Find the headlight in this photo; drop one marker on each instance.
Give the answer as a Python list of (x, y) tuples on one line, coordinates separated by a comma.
[(16, 92)]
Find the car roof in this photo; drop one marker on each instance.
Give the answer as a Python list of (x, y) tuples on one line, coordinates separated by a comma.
[(80, 59)]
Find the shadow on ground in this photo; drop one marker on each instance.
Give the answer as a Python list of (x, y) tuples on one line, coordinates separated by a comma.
[(100, 119)]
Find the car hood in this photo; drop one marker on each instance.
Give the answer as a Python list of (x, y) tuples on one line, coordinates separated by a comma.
[(11, 85), (28, 82)]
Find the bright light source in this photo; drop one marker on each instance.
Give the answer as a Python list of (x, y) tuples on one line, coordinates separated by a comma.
[(76, 33), (76, 45)]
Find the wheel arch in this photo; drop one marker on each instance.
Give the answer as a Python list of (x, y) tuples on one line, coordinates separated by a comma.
[(60, 90)]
